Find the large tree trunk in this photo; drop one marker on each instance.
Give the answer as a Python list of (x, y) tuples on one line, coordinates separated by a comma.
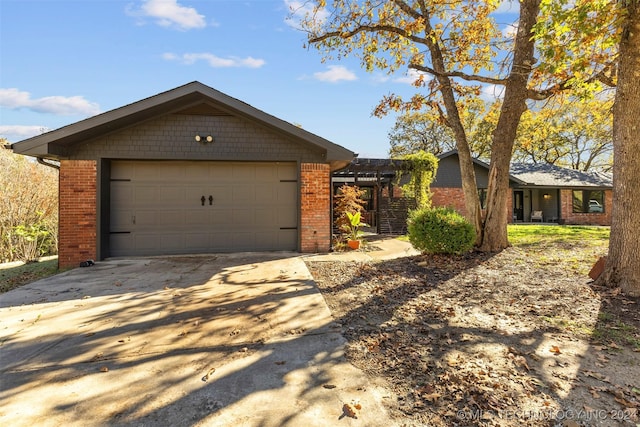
[(623, 264), (494, 236), (467, 171)]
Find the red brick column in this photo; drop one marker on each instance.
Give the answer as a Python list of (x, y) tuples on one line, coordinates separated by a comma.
[(77, 215), (315, 200)]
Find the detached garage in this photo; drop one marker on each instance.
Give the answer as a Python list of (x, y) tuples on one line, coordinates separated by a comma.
[(190, 170)]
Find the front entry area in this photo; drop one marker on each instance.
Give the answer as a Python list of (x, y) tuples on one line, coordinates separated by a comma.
[(179, 207), (518, 206)]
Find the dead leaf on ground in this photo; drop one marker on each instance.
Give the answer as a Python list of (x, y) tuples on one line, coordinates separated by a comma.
[(350, 410), (208, 374), (597, 376), (433, 397), (555, 350), (97, 357)]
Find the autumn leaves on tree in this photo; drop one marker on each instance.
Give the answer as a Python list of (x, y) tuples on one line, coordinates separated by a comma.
[(556, 48)]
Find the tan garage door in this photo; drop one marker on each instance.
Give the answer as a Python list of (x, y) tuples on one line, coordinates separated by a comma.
[(179, 207)]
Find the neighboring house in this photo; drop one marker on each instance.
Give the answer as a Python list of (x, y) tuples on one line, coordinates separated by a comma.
[(539, 192), (190, 170)]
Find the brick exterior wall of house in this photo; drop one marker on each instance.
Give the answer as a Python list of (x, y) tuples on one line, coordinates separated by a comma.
[(77, 226), (570, 217), (449, 197), (454, 198), (315, 200)]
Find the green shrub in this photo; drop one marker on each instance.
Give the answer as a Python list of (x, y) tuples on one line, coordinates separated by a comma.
[(440, 231)]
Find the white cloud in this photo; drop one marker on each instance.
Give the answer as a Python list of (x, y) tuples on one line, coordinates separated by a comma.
[(18, 132), (334, 74), (14, 99), (299, 10), (510, 30), (215, 61), (170, 14), (379, 78), (411, 76), (492, 92)]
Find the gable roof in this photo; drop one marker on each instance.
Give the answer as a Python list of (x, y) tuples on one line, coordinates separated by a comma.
[(546, 175), (512, 178), (54, 144)]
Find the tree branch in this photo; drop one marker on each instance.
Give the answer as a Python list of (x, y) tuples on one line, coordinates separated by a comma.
[(601, 76), (468, 77)]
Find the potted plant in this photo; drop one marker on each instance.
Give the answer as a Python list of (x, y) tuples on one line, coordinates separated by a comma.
[(353, 229)]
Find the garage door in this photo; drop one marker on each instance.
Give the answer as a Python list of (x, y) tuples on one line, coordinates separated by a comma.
[(179, 207)]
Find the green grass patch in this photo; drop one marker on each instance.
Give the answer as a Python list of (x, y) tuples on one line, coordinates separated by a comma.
[(568, 325), (13, 277), (572, 248), (532, 234), (610, 329)]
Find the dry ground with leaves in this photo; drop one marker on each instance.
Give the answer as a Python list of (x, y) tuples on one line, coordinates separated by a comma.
[(519, 338)]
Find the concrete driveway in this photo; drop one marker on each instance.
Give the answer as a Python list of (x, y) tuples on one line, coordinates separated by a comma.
[(226, 340)]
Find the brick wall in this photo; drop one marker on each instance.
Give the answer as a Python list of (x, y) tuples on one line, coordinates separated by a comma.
[(77, 228), (566, 199), (397, 191), (454, 198), (315, 217), (448, 197)]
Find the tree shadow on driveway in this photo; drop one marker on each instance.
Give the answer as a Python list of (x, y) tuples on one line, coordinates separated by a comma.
[(219, 340)]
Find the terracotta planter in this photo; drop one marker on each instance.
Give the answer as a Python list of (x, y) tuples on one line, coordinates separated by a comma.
[(353, 244)]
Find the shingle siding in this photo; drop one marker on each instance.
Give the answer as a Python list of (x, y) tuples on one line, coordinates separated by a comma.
[(172, 137)]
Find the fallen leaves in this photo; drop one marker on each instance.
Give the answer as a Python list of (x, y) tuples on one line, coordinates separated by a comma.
[(555, 350), (351, 410), (97, 357), (206, 376), (469, 334)]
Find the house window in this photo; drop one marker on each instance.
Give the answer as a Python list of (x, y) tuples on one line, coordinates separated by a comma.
[(588, 201), (482, 194)]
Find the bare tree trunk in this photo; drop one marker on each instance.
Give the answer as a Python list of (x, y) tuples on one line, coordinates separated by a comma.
[(467, 171), (494, 236), (623, 264)]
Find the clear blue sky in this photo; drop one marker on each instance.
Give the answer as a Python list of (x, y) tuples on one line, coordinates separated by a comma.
[(63, 61)]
